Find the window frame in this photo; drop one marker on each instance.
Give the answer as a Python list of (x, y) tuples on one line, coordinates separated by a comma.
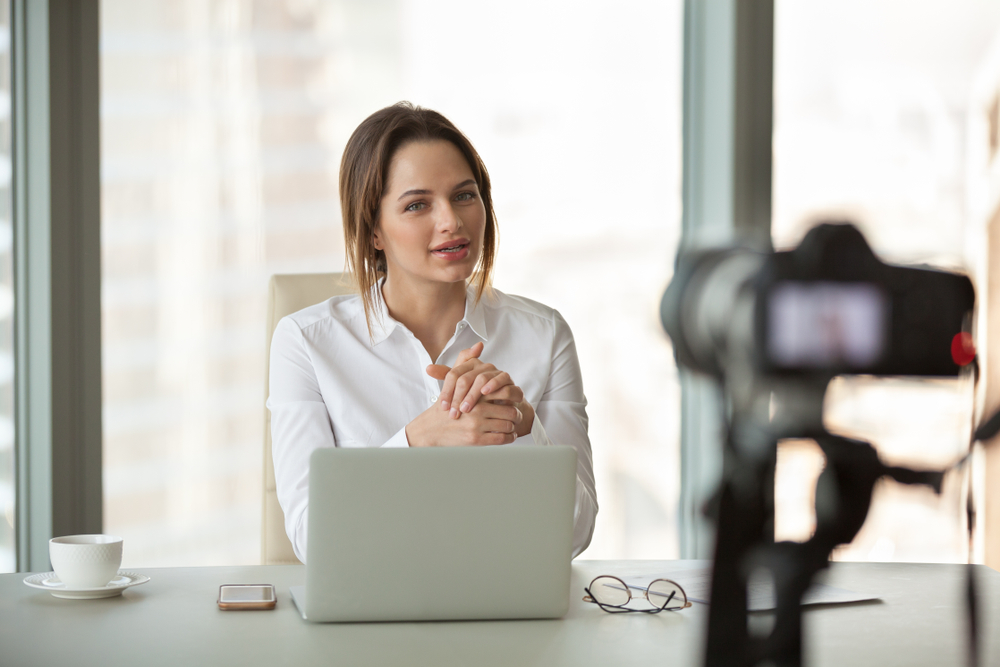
[(726, 199), (57, 310)]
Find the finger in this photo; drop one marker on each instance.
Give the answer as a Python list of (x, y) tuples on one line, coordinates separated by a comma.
[(438, 371), (497, 438), (494, 411), (451, 379), (470, 353), (476, 390), (510, 393), (463, 385), (495, 383), (501, 426)]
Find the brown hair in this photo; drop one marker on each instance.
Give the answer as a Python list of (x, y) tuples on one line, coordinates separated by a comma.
[(364, 174)]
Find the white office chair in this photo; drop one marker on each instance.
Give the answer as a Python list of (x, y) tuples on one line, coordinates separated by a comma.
[(286, 295)]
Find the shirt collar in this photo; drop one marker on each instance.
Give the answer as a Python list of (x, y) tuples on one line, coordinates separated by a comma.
[(383, 324), (475, 313)]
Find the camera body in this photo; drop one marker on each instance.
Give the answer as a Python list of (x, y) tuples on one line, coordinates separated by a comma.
[(829, 307)]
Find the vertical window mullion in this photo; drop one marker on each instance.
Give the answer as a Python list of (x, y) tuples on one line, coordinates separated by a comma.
[(56, 214)]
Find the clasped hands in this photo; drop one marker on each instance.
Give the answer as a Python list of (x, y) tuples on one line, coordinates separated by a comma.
[(478, 405)]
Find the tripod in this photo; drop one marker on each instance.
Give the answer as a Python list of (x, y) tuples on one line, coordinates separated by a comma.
[(745, 541)]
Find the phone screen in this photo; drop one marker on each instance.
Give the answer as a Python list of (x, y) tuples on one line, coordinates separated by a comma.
[(246, 593)]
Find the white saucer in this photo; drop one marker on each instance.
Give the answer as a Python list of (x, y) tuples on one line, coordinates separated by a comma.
[(50, 582)]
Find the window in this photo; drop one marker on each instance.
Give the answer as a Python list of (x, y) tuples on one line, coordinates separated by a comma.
[(871, 121), (7, 495), (222, 128)]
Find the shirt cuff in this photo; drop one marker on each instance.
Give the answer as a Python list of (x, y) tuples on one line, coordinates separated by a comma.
[(398, 440), (536, 436)]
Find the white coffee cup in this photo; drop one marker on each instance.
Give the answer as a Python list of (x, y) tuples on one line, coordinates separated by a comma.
[(86, 561)]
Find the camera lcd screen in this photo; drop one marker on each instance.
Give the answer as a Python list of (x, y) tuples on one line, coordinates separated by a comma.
[(826, 325)]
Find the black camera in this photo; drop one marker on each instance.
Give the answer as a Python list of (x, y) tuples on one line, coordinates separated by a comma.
[(774, 329), (829, 307)]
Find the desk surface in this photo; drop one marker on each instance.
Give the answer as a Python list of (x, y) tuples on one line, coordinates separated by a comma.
[(174, 620)]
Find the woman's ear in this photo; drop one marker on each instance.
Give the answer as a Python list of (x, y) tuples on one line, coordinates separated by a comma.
[(376, 240)]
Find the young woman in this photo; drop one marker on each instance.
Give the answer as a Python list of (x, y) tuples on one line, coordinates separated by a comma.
[(427, 354)]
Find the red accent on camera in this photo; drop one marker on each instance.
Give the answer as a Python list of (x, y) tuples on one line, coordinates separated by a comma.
[(963, 350)]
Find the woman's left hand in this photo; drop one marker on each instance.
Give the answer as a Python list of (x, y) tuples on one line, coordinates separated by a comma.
[(471, 379)]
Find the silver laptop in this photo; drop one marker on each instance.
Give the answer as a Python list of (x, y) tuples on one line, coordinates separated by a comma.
[(439, 534)]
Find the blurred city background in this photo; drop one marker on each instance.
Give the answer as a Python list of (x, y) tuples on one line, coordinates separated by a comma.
[(223, 122)]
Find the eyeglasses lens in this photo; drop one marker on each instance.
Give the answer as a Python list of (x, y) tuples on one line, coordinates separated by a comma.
[(665, 594), (609, 591)]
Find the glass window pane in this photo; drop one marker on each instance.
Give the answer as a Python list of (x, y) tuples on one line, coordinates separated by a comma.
[(223, 125), (217, 171), (872, 101)]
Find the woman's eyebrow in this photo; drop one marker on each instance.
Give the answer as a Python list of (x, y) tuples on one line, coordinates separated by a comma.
[(467, 182), (414, 192)]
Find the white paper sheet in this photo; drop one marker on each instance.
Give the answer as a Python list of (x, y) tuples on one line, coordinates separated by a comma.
[(697, 584)]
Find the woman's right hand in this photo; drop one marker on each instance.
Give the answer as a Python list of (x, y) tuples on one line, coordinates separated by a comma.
[(486, 424)]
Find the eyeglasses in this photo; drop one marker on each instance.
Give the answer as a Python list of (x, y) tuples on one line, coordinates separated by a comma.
[(612, 595)]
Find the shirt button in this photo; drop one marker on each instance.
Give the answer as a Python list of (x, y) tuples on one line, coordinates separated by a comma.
[(461, 325), (434, 400)]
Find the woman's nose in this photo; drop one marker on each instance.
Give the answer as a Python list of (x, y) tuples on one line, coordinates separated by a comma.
[(448, 219)]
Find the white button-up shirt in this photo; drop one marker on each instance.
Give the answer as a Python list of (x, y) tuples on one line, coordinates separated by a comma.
[(331, 385)]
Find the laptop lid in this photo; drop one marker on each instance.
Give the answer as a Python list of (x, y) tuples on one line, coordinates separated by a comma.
[(440, 533)]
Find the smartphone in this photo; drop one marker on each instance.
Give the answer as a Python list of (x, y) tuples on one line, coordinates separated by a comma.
[(247, 596)]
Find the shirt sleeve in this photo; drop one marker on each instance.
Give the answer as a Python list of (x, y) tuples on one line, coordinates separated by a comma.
[(300, 424), (561, 419)]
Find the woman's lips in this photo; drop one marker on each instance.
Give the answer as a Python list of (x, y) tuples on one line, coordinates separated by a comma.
[(451, 243), (452, 252)]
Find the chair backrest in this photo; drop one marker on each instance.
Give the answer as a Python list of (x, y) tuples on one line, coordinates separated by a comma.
[(287, 294)]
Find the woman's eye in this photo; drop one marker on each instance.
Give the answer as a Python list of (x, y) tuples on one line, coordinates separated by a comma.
[(465, 196), (415, 206)]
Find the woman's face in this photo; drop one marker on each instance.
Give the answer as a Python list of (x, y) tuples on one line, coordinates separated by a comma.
[(432, 218)]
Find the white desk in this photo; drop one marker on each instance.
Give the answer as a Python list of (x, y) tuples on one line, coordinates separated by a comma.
[(174, 620)]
